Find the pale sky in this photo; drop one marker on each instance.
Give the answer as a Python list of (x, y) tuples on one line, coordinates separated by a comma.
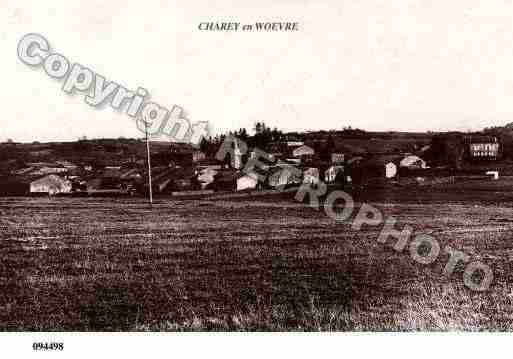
[(379, 65)]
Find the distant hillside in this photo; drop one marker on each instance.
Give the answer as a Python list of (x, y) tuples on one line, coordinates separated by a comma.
[(116, 152), (101, 152)]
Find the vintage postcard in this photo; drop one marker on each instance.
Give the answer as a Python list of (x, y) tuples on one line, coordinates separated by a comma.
[(243, 166)]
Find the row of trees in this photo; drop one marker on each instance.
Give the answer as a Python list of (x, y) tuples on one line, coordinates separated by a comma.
[(262, 138)]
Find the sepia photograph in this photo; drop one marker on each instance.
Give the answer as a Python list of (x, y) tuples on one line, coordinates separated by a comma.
[(236, 166)]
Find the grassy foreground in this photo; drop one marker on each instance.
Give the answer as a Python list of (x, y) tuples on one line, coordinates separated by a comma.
[(245, 264)]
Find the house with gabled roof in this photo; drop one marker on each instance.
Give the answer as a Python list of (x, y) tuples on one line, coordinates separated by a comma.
[(51, 184)]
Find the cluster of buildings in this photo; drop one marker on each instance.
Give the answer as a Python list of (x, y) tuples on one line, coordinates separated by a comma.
[(184, 168), (64, 177), (331, 165)]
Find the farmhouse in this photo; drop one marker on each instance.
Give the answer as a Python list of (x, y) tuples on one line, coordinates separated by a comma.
[(51, 184), (412, 162), (284, 175), (246, 182), (173, 179), (229, 180)]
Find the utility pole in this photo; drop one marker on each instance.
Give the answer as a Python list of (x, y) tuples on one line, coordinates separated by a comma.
[(149, 163)]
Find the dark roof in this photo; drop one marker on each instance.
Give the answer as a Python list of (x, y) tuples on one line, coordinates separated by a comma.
[(102, 183), (111, 173), (171, 174), (130, 173)]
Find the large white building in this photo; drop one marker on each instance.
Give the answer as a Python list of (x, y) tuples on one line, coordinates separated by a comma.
[(51, 184), (483, 147)]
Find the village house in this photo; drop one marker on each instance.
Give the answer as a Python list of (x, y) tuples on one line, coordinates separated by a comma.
[(413, 162), (283, 174), (246, 182), (303, 151), (230, 180), (173, 179), (51, 184)]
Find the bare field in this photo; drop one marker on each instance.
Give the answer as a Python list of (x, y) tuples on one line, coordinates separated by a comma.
[(266, 263)]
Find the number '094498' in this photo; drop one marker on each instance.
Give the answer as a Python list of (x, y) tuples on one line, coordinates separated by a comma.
[(48, 346)]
